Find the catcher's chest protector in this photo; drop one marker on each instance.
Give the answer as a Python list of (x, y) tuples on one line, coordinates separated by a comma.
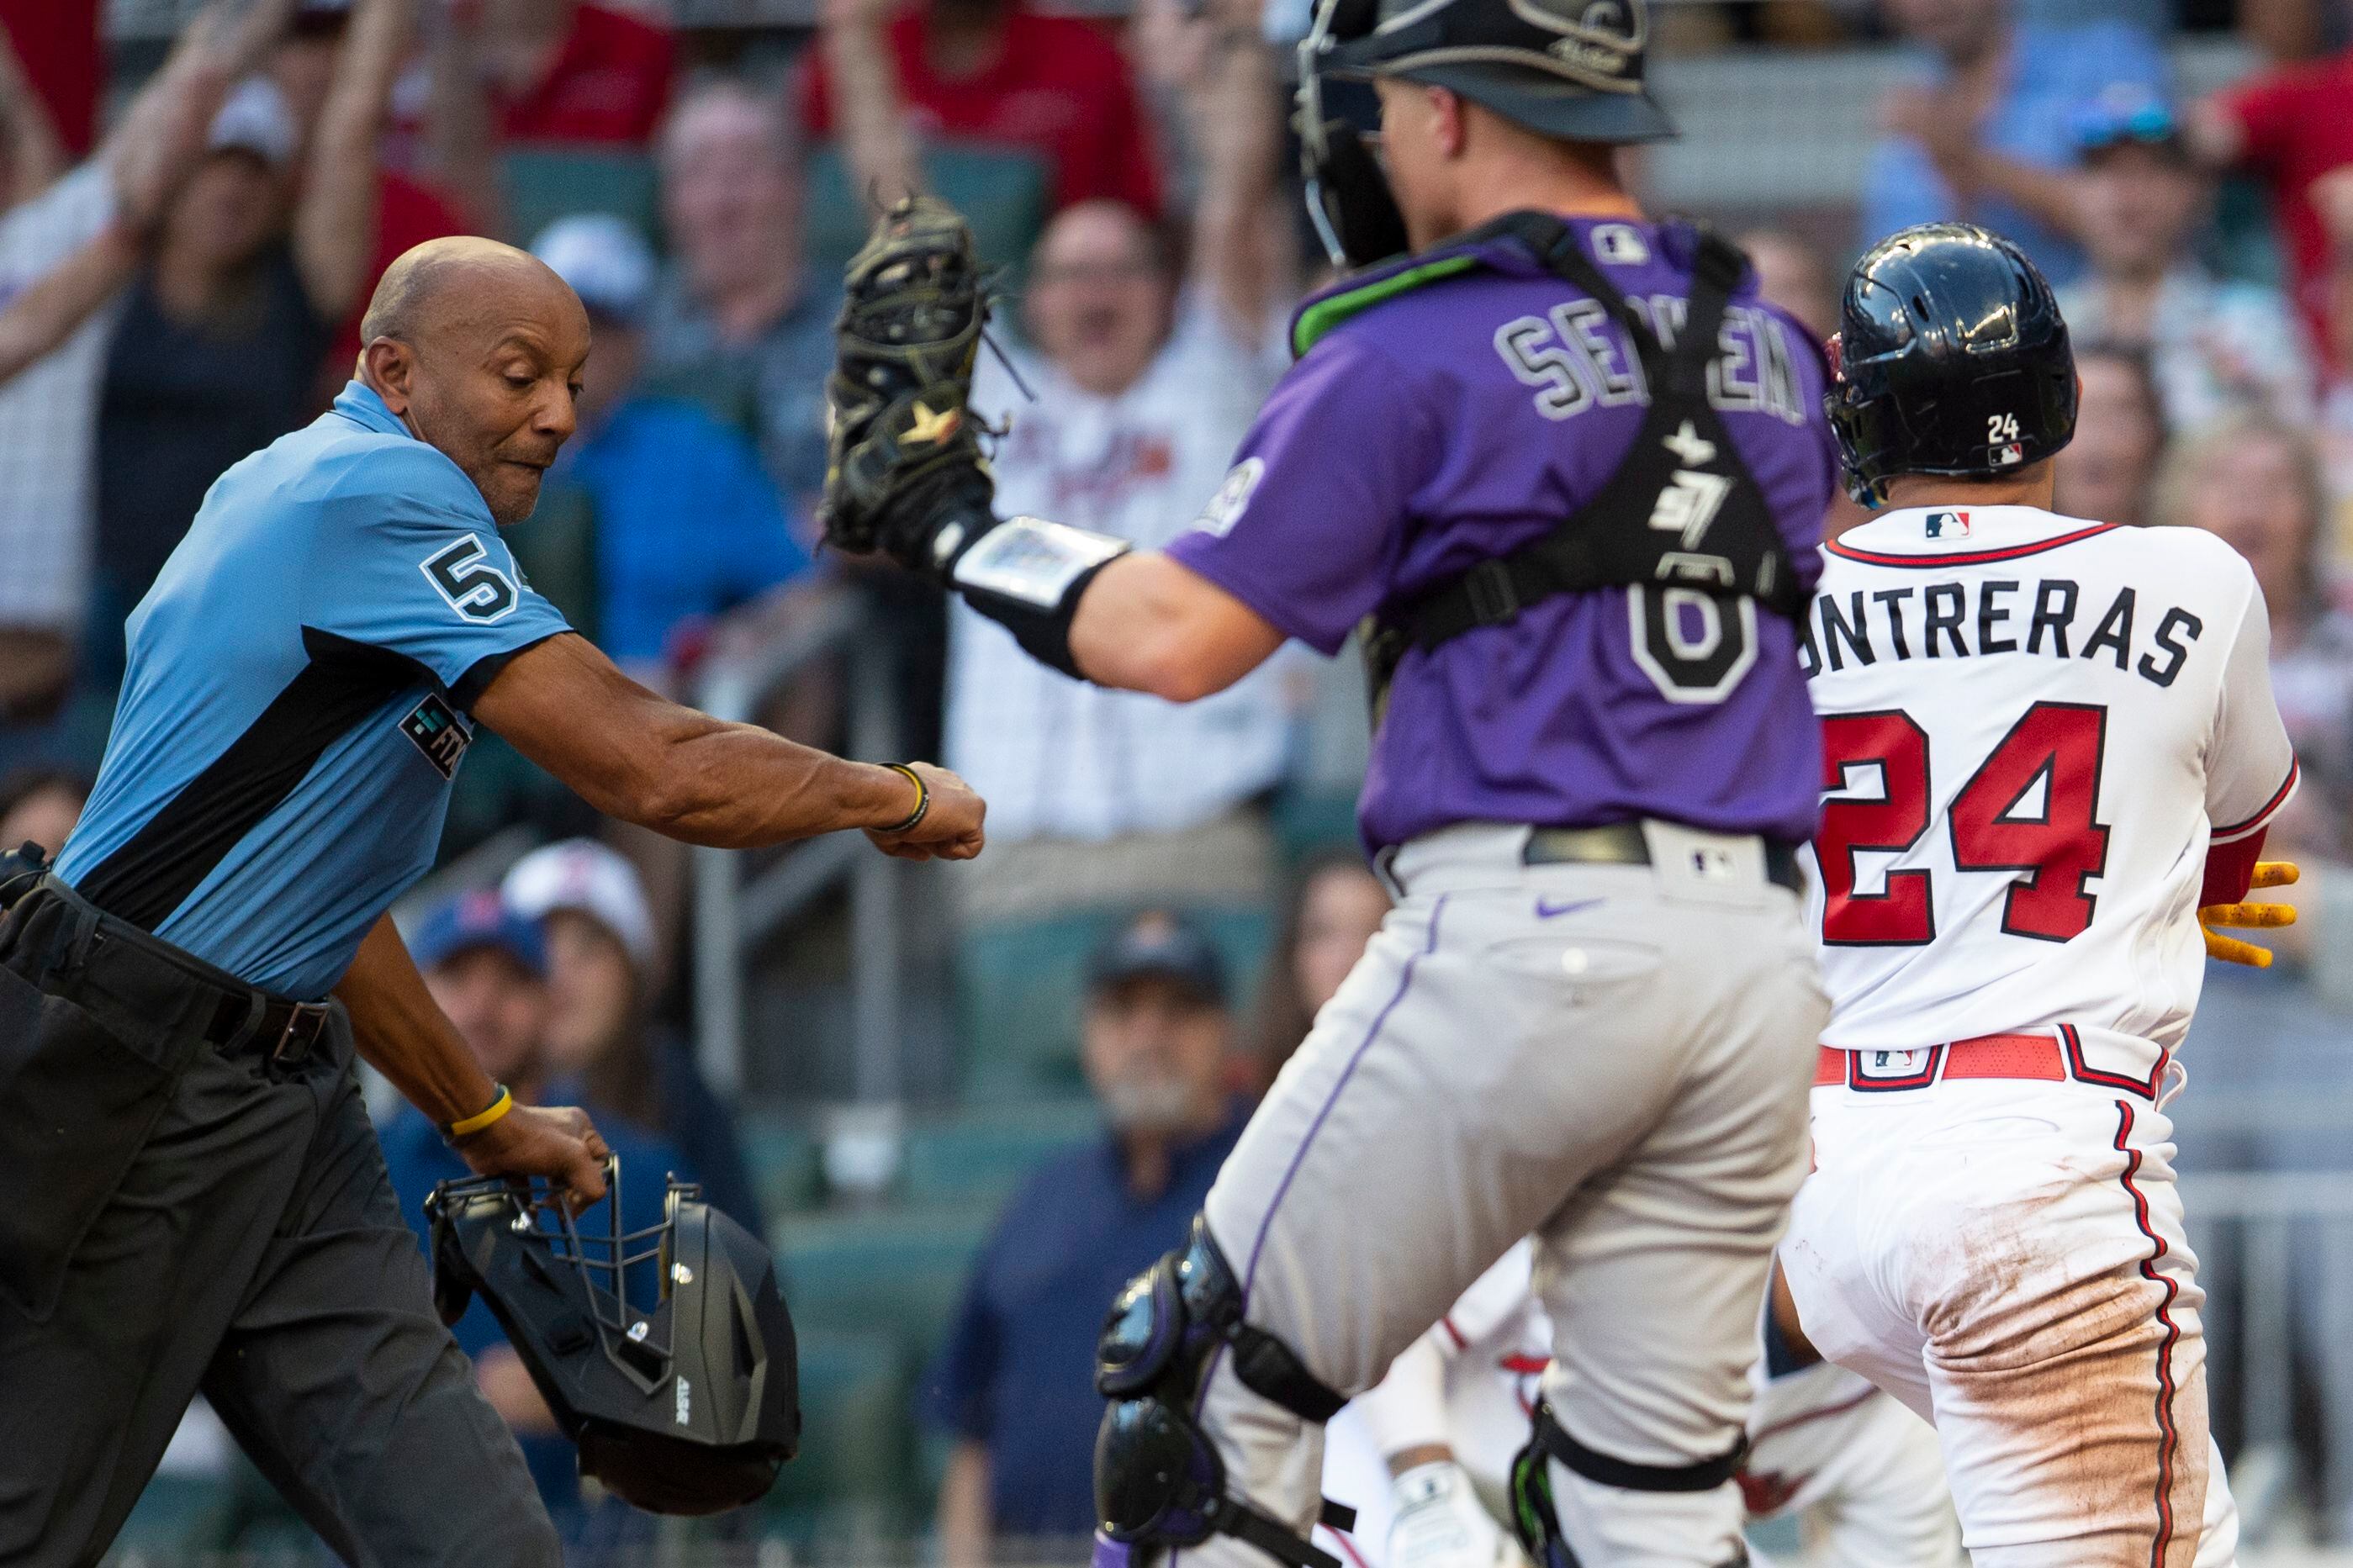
[(1682, 512)]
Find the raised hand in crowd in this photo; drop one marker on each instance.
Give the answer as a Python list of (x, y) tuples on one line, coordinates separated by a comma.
[(162, 133), (335, 223), (1216, 60), (1948, 119), (161, 137), (877, 137)]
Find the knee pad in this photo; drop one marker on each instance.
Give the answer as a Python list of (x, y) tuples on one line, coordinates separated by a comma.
[(1537, 1522), (1158, 1480)]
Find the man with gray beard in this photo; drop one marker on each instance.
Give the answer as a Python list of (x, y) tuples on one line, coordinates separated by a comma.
[(1013, 1385)]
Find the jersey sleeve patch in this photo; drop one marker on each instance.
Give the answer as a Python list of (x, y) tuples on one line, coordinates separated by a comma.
[(462, 572)]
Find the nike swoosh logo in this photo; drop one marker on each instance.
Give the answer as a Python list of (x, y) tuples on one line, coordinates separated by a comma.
[(1545, 911)]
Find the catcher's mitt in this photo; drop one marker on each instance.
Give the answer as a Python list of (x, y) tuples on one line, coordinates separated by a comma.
[(903, 453)]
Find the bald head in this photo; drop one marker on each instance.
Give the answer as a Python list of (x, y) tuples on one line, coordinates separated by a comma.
[(457, 283), (478, 347)]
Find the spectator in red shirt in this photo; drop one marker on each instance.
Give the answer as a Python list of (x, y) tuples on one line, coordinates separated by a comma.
[(57, 41), (2293, 127), (408, 211), (559, 71), (995, 71)]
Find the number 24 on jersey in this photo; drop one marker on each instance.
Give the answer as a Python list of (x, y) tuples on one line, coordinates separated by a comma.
[(2028, 811)]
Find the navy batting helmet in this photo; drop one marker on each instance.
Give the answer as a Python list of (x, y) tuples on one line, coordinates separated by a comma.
[(1566, 69), (1951, 358)]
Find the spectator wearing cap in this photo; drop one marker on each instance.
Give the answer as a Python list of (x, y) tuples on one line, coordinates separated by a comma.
[(1000, 73), (487, 968), (1985, 129), (687, 524), (88, 228), (218, 350), (1014, 1383), (599, 929), (2141, 204), (737, 308)]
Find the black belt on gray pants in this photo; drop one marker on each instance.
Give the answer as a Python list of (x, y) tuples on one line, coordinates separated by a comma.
[(244, 1018), (1625, 844)]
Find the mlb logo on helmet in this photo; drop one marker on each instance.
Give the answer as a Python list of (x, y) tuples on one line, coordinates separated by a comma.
[(1948, 525), (2009, 457)]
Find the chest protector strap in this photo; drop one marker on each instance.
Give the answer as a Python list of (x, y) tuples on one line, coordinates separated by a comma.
[(1681, 510)]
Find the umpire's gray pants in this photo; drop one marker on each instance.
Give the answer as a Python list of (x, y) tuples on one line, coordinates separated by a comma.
[(254, 1251), (1616, 1058)]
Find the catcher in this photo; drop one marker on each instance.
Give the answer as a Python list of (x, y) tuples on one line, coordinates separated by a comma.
[(1584, 543)]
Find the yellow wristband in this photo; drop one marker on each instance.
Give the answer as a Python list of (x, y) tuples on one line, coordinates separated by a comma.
[(481, 1118), (922, 800)]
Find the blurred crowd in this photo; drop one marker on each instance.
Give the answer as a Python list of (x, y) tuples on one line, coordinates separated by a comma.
[(187, 232)]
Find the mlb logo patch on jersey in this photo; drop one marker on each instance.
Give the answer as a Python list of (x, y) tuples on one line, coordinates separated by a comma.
[(1621, 245), (439, 733), (1948, 525)]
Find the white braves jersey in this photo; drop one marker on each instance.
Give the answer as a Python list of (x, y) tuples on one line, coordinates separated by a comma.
[(2033, 728)]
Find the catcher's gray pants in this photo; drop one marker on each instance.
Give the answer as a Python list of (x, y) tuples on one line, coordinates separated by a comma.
[(1616, 1058), (251, 1248)]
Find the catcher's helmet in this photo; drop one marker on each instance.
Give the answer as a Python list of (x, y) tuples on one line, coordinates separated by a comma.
[(1566, 69), (666, 1355), (1951, 358)]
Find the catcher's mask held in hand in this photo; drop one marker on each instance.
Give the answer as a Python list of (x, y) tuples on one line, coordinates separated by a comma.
[(666, 1355)]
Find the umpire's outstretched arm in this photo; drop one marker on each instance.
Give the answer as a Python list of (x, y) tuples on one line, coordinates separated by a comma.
[(635, 755)]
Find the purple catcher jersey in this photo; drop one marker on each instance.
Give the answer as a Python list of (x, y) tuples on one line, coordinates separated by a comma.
[(1483, 403)]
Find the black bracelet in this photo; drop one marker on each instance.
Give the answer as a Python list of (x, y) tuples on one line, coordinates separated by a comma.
[(922, 800)]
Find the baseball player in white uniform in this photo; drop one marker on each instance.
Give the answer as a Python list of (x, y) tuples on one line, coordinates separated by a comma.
[(1424, 1459), (2048, 742)]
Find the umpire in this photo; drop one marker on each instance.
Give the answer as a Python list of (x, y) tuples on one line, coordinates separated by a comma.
[(191, 1195)]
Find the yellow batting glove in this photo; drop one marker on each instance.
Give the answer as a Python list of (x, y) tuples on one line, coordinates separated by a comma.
[(2250, 917)]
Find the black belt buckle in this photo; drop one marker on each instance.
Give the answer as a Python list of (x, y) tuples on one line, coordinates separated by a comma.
[(295, 1041), (1493, 599)]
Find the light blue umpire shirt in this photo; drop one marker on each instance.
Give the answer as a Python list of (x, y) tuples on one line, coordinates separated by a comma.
[(295, 702)]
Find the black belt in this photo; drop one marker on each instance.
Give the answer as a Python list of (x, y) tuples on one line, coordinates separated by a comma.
[(286, 1033), (245, 1019), (1625, 844)]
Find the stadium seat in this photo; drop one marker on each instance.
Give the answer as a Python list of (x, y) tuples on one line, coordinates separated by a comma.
[(1019, 989), (977, 1159), (897, 1273), (1001, 192), (854, 1427), (785, 1165), (543, 183)]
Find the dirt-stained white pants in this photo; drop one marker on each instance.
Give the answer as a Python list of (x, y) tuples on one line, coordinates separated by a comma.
[(2007, 1257), (1615, 1059)]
